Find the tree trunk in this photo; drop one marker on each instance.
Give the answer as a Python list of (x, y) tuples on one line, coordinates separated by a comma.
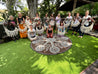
[(10, 6), (32, 5), (35, 7), (74, 6)]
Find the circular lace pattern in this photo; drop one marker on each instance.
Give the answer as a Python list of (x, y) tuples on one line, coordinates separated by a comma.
[(50, 46)]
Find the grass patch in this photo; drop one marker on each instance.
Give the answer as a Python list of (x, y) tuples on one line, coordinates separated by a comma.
[(18, 58)]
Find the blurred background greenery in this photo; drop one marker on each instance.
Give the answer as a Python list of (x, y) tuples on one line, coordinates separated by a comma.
[(45, 6)]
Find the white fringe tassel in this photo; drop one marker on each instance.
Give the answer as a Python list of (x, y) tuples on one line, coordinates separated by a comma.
[(32, 38), (73, 24), (61, 33), (66, 24), (40, 31), (52, 23), (86, 29), (23, 30), (11, 33)]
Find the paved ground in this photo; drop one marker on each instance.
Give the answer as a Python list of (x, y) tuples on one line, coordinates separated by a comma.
[(92, 69)]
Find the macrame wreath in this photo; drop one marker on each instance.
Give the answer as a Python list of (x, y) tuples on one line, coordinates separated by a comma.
[(85, 29), (36, 19), (35, 22), (29, 36), (75, 23), (39, 31), (51, 46), (67, 23), (11, 33), (52, 23), (23, 30)]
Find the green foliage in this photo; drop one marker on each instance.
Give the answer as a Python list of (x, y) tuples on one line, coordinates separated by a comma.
[(93, 8), (49, 6), (62, 13), (25, 8), (45, 8), (11, 4), (11, 11), (4, 0)]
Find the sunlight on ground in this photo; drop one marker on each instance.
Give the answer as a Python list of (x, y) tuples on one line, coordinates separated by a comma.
[(18, 57), (55, 67)]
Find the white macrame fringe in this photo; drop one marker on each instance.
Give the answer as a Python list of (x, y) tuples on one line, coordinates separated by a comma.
[(39, 31), (52, 23), (73, 24), (32, 38), (86, 29), (23, 30), (61, 33), (11, 33), (66, 24)]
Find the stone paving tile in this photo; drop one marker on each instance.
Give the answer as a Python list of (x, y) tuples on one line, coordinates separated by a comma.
[(92, 69)]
